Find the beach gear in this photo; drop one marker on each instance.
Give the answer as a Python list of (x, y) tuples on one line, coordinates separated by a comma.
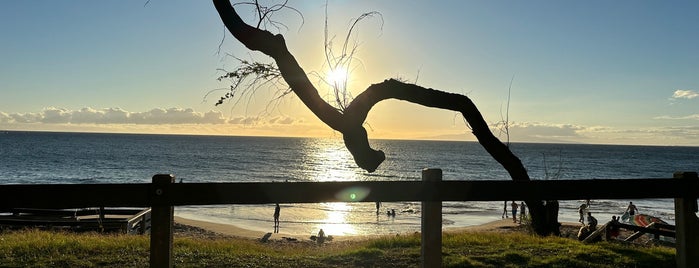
[(644, 220)]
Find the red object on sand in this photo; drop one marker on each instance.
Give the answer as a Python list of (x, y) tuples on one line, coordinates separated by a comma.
[(645, 220)]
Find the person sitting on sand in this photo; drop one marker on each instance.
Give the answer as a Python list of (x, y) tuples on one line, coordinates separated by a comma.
[(584, 232), (613, 228), (321, 237), (591, 222)]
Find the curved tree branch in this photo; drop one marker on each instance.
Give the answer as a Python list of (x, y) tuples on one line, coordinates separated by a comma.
[(354, 135), (349, 122), (275, 47), (393, 89)]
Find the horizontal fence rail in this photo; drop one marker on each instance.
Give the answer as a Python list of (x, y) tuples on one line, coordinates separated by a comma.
[(175, 194), (143, 195)]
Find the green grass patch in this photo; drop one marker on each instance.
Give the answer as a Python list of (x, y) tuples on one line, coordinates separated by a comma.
[(31, 248)]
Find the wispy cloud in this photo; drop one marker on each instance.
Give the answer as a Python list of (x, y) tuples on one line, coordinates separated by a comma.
[(684, 94), (533, 131), (157, 116), (686, 117)]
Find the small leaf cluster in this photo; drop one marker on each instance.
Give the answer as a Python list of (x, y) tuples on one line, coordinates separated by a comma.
[(257, 71)]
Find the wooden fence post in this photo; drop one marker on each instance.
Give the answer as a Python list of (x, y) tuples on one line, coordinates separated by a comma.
[(686, 226), (162, 216), (431, 237)]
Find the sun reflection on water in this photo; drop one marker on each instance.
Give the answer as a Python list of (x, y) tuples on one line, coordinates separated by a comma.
[(330, 161), (337, 220)]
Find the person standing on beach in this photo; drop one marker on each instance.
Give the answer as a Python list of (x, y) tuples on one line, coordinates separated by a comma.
[(631, 209), (378, 206), (276, 218), (523, 212), (504, 210), (514, 211)]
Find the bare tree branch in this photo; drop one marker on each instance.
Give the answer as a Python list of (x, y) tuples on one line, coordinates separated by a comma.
[(350, 121), (355, 136)]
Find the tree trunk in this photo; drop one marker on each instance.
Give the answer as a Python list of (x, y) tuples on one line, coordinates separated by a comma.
[(349, 122)]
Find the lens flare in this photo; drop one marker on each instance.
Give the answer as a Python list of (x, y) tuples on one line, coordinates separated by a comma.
[(352, 194)]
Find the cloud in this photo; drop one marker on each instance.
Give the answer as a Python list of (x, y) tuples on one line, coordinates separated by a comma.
[(53, 115), (157, 116), (684, 94), (5, 118), (102, 116), (26, 118), (537, 131), (686, 117), (175, 116)]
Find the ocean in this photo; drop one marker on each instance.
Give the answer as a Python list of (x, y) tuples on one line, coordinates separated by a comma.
[(80, 158)]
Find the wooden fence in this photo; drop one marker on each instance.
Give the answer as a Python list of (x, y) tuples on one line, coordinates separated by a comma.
[(163, 194)]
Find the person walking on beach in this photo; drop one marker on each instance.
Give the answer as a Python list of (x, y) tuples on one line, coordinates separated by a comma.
[(276, 218), (514, 211), (581, 211), (504, 210), (523, 211), (631, 209), (378, 206)]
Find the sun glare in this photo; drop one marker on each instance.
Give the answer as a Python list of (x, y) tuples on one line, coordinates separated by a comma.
[(337, 219), (337, 76)]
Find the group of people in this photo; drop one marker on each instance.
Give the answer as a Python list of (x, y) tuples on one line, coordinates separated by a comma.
[(277, 210), (585, 207), (591, 225), (583, 210), (389, 212), (514, 208)]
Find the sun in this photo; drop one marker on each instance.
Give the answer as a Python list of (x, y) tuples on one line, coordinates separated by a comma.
[(337, 76)]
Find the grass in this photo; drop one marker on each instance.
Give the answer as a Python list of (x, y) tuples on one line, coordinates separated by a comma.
[(32, 248)]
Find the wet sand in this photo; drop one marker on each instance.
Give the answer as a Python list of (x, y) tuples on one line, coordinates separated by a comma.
[(504, 225)]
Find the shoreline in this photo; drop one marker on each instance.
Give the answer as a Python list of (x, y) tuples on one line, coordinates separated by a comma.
[(500, 225)]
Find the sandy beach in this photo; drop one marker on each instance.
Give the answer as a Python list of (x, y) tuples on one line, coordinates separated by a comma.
[(218, 229)]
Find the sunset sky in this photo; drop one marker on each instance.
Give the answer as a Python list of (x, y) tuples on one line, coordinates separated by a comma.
[(613, 72)]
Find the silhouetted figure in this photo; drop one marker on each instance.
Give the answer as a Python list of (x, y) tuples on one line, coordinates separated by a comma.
[(514, 211), (591, 222), (378, 206), (581, 211), (504, 210), (587, 230), (613, 228), (276, 218), (584, 232), (631, 209), (523, 211), (321, 237)]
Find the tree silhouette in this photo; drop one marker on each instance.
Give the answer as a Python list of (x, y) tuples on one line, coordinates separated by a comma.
[(349, 121)]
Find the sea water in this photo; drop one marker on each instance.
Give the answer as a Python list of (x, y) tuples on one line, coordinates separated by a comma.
[(77, 158)]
